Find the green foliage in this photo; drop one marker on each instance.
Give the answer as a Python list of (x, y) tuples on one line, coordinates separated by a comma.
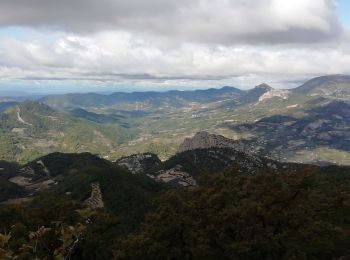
[(33, 129), (292, 216), (300, 212), (66, 163), (125, 195), (50, 227), (9, 190), (8, 148), (53, 222)]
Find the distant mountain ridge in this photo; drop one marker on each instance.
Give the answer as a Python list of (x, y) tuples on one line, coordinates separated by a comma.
[(323, 128), (7, 104), (331, 86), (121, 124), (173, 97), (336, 86), (32, 128)]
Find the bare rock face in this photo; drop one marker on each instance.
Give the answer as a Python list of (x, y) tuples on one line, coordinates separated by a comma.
[(29, 179), (139, 163), (203, 140), (95, 201), (176, 177), (282, 94)]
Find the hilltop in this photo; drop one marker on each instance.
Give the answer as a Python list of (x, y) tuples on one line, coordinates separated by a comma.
[(334, 86)]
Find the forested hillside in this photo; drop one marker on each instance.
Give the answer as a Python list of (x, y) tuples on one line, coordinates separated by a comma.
[(96, 210)]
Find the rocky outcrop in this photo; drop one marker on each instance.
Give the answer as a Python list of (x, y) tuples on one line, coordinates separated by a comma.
[(282, 94), (203, 140), (45, 169), (95, 200), (20, 119), (139, 163), (176, 177), (253, 95)]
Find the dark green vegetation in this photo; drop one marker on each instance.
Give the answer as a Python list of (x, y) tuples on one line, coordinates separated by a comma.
[(199, 161), (269, 216), (98, 118), (57, 216), (126, 195), (274, 211), (8, 189), (139, 163)]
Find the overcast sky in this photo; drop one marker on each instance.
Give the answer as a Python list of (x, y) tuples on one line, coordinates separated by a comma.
[(90, 45)]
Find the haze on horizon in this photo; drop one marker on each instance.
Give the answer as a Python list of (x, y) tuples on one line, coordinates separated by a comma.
[(109, 45)]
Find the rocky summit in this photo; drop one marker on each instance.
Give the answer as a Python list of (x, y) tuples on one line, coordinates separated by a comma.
[(206, 140)]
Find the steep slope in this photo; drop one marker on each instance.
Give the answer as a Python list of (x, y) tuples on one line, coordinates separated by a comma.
[(83, 177), (255, 93), (274, 93), (205, 140), (31, 129), (126, 195), (46, 171), (5, 105), (100, 211), (139, 163), (186, 168), (335, 86), (90, 201), (301, 215), (98, 118), (8, 189), (322, 130)]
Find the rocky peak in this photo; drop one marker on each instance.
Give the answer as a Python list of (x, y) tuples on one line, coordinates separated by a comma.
[(139, 163), (95, 200), (264, 86), (202, 140), (253, 95)]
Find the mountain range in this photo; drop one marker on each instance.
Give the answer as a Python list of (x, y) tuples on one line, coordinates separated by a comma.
[(335, 86), (220, 173), (121, 124)]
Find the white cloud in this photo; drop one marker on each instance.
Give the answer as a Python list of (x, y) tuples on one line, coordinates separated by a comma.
[(125, 57), (173, 42)]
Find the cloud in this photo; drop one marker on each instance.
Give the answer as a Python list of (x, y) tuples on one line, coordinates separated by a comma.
[(205, 21), (126, 58), (171, 43)]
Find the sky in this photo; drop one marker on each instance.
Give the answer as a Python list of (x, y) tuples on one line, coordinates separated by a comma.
[(109, 45)]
